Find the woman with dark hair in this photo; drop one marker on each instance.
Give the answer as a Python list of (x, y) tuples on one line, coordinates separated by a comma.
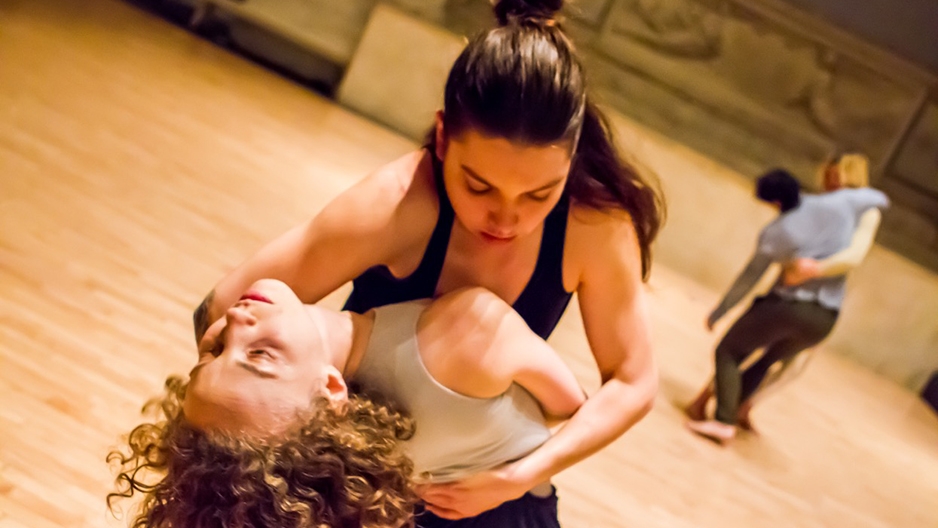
[(520, 190)]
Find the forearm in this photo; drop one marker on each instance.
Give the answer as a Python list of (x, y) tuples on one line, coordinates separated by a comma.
[(845, 260), (542, 373), (745, 282), (605, 416)]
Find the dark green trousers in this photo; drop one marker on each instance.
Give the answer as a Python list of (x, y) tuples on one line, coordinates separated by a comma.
[(783, 328)]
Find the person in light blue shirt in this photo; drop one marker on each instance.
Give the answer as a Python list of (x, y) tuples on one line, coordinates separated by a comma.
[(790, 318)]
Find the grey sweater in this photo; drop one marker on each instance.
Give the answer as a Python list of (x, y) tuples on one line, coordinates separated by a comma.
[(819, 227)]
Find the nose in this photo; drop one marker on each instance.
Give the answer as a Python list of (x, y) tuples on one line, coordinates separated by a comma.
[(503, 217), (239, 314)]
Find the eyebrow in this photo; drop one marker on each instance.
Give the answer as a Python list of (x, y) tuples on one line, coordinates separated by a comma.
[(475, 175)]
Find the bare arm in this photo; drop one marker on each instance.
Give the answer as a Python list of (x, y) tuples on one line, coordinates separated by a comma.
[(539, 369), (615, 317), (741, 286), (361, 228), (611, 297), (843, 261), (487, 346)]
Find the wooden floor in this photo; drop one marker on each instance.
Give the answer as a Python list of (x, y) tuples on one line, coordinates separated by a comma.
[(138, 164)]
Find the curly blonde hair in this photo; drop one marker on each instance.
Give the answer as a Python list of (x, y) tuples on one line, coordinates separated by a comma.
[(333, 468)]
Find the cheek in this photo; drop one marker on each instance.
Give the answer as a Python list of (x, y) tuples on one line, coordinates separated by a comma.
[(470, 209), (531, 213)]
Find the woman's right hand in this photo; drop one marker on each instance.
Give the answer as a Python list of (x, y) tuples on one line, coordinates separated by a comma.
[(800, 271)]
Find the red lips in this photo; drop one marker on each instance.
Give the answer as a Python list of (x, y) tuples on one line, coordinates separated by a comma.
[(254, 296), (496, 239)]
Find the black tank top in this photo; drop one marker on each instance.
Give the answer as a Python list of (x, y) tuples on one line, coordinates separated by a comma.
[(541, 303)]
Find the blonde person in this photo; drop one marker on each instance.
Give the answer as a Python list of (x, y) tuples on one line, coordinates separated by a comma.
[(789, 319), (265, 432), (850, 171)]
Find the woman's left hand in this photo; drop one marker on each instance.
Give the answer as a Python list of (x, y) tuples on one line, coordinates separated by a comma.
[(473, 495)]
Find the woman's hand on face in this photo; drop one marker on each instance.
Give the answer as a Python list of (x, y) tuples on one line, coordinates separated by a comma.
[(474, 495), (800, 271)]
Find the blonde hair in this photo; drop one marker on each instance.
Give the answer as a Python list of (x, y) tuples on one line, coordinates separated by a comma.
[(853, 170), (334, 468)]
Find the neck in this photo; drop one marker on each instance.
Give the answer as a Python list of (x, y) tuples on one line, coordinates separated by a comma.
[(344, 336)]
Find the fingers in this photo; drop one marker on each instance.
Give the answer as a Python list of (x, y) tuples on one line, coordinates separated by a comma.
[(443, 513), (440, 502), (791, 278), (436, 494)]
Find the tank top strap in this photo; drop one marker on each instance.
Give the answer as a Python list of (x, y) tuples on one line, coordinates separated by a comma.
[(378, 287), (550, 256), (548, 271), (432, 263), (544, 298)]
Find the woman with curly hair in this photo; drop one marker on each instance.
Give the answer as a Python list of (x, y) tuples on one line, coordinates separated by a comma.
[(265, 432), (335, 466)]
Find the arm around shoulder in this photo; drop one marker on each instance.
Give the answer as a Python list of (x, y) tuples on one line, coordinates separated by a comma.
[(850, 257), (357, 230), (615, 316)]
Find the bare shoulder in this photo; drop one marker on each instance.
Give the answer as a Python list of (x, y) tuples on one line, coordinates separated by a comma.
[(589, 222), (396, 183), (464, 336), (598, 237), (393, 205), (469, 311), (476, 321)]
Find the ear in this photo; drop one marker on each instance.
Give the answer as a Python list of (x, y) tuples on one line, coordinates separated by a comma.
[(335, 388), (440, 136)]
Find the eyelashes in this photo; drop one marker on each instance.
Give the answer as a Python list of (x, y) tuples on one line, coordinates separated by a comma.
[(530, 196)]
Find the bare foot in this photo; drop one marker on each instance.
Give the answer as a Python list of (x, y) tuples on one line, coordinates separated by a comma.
[(718, 431), (697, 409)]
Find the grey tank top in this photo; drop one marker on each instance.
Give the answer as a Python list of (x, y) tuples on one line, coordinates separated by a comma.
[(456, 435)]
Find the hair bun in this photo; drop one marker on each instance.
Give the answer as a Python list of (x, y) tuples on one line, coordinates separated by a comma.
[(521, 10)]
